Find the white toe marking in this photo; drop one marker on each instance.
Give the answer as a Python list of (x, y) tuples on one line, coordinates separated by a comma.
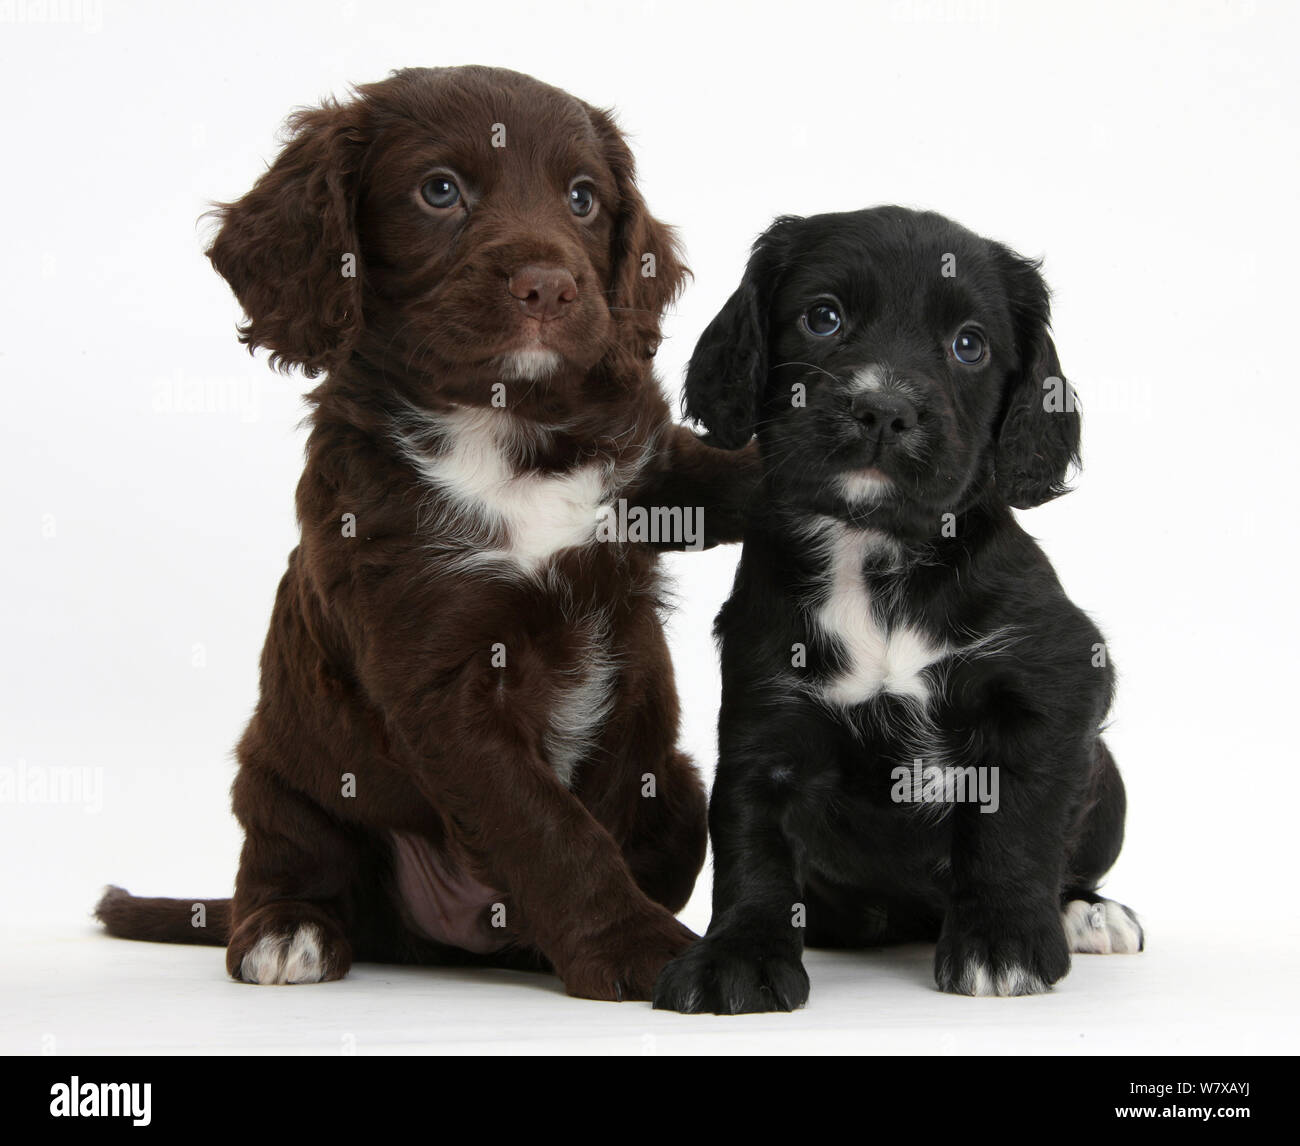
[(976, 979), (1103, 928), (1018, 981), (276, 959), (305, 960)]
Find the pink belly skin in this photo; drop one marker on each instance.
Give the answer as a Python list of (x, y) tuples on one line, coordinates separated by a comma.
[(444, 902)]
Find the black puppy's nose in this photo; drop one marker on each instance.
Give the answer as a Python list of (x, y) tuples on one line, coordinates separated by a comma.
[(884, 416), (543, 292)]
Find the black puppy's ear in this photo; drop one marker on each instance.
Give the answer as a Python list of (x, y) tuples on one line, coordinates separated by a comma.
[(1038, 437), (729, 364)]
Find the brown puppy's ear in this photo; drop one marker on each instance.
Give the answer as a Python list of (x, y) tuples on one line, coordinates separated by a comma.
[(1038, 437), (647, 273), (289, 249), (727, 370)]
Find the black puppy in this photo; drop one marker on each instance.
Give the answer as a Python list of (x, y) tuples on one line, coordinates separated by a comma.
[(908, 739)]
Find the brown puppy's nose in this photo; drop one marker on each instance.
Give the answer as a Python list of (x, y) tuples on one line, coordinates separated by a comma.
[(543, 292)]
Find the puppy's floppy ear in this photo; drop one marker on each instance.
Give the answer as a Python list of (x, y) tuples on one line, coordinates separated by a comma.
[(647, 271), (1037, 439), (730, 362), (282, 247)]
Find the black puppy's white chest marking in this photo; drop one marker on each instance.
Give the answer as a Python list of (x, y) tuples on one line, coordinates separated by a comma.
[(880, 656)]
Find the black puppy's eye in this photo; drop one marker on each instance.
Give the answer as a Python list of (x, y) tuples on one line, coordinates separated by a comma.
[(440, 192), (823, 320), (582, 199), (969, 347)]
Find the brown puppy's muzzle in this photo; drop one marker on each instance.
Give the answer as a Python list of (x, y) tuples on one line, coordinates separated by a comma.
[(524, 293), (544, 293)]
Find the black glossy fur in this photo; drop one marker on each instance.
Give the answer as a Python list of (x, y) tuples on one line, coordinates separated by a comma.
[(810, 842)]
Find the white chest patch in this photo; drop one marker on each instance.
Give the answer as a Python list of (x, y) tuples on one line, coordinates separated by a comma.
[(583, 701), (531, 515), (880, 657)]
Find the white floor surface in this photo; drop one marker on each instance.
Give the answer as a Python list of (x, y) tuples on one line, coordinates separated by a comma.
[(1201, 987)]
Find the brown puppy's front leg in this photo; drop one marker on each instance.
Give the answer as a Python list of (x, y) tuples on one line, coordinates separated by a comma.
[(471, 739), (296, 871), (570, 892)]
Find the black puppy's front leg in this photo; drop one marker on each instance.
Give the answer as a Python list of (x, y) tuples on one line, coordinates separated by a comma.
[(751, 957), (1002, 934), (711, 488)]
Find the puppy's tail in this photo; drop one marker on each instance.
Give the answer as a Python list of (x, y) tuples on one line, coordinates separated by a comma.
[(164, 920)]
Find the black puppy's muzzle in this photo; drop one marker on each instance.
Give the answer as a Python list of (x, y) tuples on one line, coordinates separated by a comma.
[(883, 418)]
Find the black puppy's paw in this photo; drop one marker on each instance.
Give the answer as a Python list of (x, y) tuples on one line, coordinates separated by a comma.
[(1102, 927), (1021, 958), (729, 977)]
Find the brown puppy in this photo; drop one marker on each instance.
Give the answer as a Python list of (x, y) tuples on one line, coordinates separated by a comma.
[(465, 746)]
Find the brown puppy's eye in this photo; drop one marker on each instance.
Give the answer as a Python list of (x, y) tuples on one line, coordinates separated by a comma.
[(969, 347), (440, 192), (582, 199)]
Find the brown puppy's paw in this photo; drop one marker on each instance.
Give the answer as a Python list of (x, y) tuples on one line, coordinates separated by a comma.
[(625, 964), (288, 943)]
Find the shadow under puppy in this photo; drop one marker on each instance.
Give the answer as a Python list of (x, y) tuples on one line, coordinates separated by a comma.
[(909, 738)]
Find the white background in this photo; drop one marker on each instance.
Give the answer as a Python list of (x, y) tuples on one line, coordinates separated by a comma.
[(147, 463)]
